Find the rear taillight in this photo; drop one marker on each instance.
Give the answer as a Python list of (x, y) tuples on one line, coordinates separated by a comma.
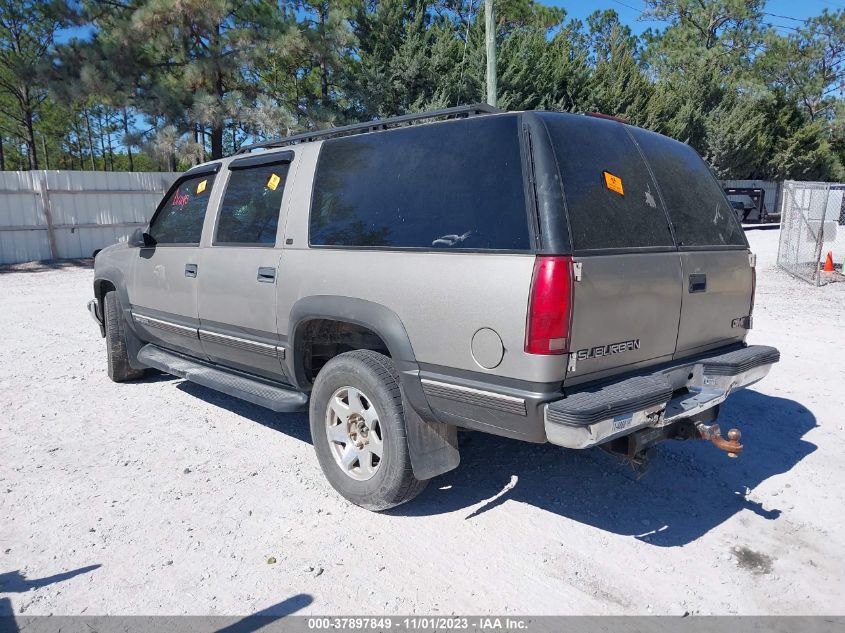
[(549, 306)]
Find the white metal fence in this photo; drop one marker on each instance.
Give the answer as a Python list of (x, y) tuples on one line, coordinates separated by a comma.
[(813, 228), (70, 214)]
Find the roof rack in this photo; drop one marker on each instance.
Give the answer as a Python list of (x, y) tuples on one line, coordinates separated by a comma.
[(609, 117), (372, 126)]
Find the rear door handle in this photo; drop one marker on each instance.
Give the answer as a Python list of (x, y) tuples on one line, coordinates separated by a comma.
[(266, 275), (698, 282), (190, 270)]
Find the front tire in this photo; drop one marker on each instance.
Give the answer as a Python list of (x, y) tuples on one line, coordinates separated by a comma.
[(358, 431), (118, 357)]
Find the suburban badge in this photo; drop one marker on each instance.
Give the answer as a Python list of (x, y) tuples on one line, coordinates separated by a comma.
[(607, 350)]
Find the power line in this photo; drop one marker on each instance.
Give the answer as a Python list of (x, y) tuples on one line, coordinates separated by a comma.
[(782, 26), (773, 15), (834, 4), (785, 17), (628, 6)]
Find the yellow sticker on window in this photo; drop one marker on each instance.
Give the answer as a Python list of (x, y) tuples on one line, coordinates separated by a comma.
[(614, 183), (273, 182), (201, 186)]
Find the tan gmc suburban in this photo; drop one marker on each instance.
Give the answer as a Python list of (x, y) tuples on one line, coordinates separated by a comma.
[(542, 276)]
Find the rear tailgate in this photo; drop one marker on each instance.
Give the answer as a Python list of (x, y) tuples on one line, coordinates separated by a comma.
[(715, 263), (625, 314), (716, 297)]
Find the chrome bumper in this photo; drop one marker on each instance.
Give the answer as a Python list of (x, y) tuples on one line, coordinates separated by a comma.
[(656, 400), (94, 309)]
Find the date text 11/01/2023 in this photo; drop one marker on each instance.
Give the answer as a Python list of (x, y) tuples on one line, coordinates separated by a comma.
[(418, 623)]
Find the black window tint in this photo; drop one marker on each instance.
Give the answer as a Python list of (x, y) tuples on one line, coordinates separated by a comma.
[(610, 196), (249, 213), (180, 219), (446, 185), (700, 213)]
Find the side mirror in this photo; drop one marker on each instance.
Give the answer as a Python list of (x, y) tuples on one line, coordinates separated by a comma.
[(141, 239), (137, 238)]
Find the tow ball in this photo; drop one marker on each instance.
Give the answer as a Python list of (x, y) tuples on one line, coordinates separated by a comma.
[(713, 433)]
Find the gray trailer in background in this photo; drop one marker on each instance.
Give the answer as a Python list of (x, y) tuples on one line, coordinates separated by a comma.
[(760, 199)]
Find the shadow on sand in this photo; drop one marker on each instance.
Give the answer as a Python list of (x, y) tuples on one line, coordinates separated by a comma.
[(16, 582), (219, 624), (293, 424), (264, 617), (690, 489), (46, 265)]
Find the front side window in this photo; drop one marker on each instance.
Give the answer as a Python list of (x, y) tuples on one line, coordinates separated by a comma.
[(249, 213), (451, 185), (180, 220)]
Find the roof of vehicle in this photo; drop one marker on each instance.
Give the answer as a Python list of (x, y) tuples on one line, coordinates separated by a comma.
[(372, 126), (444, 115)]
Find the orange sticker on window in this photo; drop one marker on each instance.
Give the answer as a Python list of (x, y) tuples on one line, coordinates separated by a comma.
[(273, 182), (201, 186), (614, 183)]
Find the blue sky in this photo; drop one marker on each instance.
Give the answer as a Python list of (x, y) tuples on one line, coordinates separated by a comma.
[(631, 10), (783, 14), (786, 14)]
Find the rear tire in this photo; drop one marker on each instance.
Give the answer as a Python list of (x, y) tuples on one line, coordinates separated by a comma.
[(118, 357), (358, 431)]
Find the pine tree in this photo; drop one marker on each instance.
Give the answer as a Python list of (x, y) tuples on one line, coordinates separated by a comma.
[(189, 61), (27, 32), (618, 84)]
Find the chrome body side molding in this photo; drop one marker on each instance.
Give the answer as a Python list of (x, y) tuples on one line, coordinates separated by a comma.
[(255, 347), (167, 326)]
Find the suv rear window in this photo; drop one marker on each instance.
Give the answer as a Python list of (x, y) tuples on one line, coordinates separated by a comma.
[(451, 185), (611, 198), (180, 219), (697, 206)]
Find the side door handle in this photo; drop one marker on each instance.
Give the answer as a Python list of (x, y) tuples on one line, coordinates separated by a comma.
[(190, 270), (698, 282), (267, 275)]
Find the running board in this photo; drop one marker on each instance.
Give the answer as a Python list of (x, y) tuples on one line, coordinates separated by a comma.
[(249, 389)]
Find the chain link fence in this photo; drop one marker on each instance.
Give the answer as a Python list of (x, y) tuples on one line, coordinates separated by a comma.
[(812, 231)]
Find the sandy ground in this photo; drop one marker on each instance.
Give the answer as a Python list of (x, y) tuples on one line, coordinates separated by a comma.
[(162, 497)]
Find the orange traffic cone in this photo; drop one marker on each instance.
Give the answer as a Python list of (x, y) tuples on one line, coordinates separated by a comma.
[(828, 263)]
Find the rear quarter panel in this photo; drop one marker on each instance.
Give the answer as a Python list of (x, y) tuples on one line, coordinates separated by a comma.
[(442, 298)]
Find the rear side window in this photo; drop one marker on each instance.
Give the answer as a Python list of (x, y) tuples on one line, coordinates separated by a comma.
[(452, 185), (697, 207), (249, 213), (180, 220), (610, 196)]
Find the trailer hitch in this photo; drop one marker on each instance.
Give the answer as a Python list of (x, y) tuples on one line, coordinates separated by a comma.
[(713, 433), (635, 449)]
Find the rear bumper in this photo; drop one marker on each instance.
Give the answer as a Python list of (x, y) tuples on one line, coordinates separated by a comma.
[(593, 417)]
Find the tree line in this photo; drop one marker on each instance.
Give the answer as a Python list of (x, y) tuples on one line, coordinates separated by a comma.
[(157, 84)]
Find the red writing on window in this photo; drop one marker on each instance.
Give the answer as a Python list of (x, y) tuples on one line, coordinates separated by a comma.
[(180, 199)]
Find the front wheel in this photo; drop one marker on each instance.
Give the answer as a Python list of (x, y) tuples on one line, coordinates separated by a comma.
[(358, 430), (116, 353)]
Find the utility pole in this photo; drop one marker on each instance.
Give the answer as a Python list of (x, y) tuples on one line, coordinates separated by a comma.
[(44, 147), (490, 38)]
